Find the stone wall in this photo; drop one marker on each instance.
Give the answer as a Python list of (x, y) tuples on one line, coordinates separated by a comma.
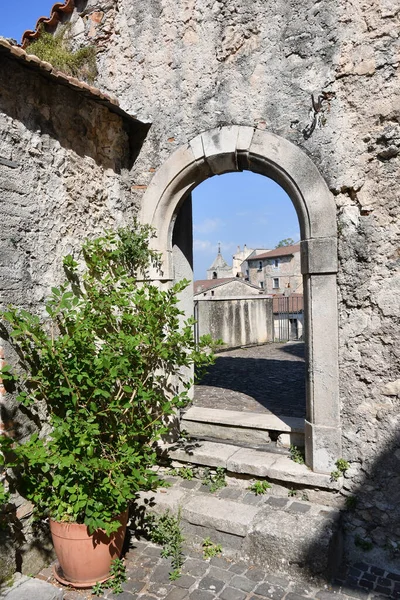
[(63, 176), (229, 289), (236, 321), (324, 76)]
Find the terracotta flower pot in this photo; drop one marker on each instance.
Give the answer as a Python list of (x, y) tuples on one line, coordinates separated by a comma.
[(85, 559)]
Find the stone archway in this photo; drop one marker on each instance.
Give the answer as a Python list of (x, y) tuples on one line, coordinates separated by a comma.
[(238, 148)]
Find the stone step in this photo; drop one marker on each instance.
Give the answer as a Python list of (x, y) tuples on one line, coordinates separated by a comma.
[(250, 462), (285, 534), (243, 427)]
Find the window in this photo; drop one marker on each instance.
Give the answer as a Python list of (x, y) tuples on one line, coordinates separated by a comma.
[(276, 262), (261, 284), (259, 265), (212, 292), (215, 275), (275, 283)]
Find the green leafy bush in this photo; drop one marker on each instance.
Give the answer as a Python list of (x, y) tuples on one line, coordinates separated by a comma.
[(110, 364)]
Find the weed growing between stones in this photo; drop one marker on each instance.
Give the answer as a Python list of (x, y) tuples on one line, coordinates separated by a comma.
[(165, 530), (215, 480), (56, 50), (351, 502), (292, 492), (210, 549), (259, 487), (296, 454), (118, 572), (362, 543), (341, 467), (183, 472)]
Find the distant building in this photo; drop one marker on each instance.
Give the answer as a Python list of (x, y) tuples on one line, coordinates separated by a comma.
[(277, 271), (220, 268), (223, 288), (238, 258)]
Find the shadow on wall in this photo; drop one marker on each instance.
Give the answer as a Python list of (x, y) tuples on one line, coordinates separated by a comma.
[(75, 121)]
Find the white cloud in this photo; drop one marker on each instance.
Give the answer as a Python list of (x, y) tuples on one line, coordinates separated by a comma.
[(208, 225), (203, 246)]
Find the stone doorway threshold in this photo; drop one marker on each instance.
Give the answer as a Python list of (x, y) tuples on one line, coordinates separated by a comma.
[(248, 428), (253, 396)]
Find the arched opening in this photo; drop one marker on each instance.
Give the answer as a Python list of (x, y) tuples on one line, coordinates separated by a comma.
[(236, 148), (254, 394)]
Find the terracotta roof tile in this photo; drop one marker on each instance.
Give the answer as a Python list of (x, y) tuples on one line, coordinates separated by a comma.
[(57, 10), (33, 62), (283, 251)]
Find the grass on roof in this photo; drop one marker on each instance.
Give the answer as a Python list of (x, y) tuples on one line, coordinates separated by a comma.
[(56, 50)]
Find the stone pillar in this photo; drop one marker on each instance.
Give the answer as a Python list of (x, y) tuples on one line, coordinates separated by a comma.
[(322, 426)]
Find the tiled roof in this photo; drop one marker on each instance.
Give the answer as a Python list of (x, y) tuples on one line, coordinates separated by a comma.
[(283, 251), (58, 9), (47, 70)]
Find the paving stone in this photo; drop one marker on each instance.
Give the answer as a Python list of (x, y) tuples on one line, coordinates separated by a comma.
[(239, 568), (232, 594), (122, 596), (136, 572), (242, 583), (293, 596), (185, 581), (255, 574), (380, 589), (297, 507), (355, 592), (32, 589), (394, 576), (253, 499), (267, 590), (232, 493), (194, 567), (368, 577), (377, 571), (277, 502), (277, 580), (384, 581), (152, 551), (329, 595), (362, 566), (201, 595), (354, 572), (189, 485), (221, 574), (369, 585), (159, 589), (161, 574), (177, 594), (221, 562), (211, 584), (133, 585)]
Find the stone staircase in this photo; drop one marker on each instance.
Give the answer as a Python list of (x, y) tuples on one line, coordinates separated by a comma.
[(294, 528), (246, 428), (281, 530)]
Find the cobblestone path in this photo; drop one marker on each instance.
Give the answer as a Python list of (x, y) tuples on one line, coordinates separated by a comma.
[(269, 378), (222, 579)]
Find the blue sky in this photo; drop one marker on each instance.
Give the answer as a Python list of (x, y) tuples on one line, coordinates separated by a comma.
[(234, 209), (237, 209), (19, 15)]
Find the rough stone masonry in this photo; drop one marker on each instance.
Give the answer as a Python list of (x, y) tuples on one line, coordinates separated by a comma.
[(321, 74)]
